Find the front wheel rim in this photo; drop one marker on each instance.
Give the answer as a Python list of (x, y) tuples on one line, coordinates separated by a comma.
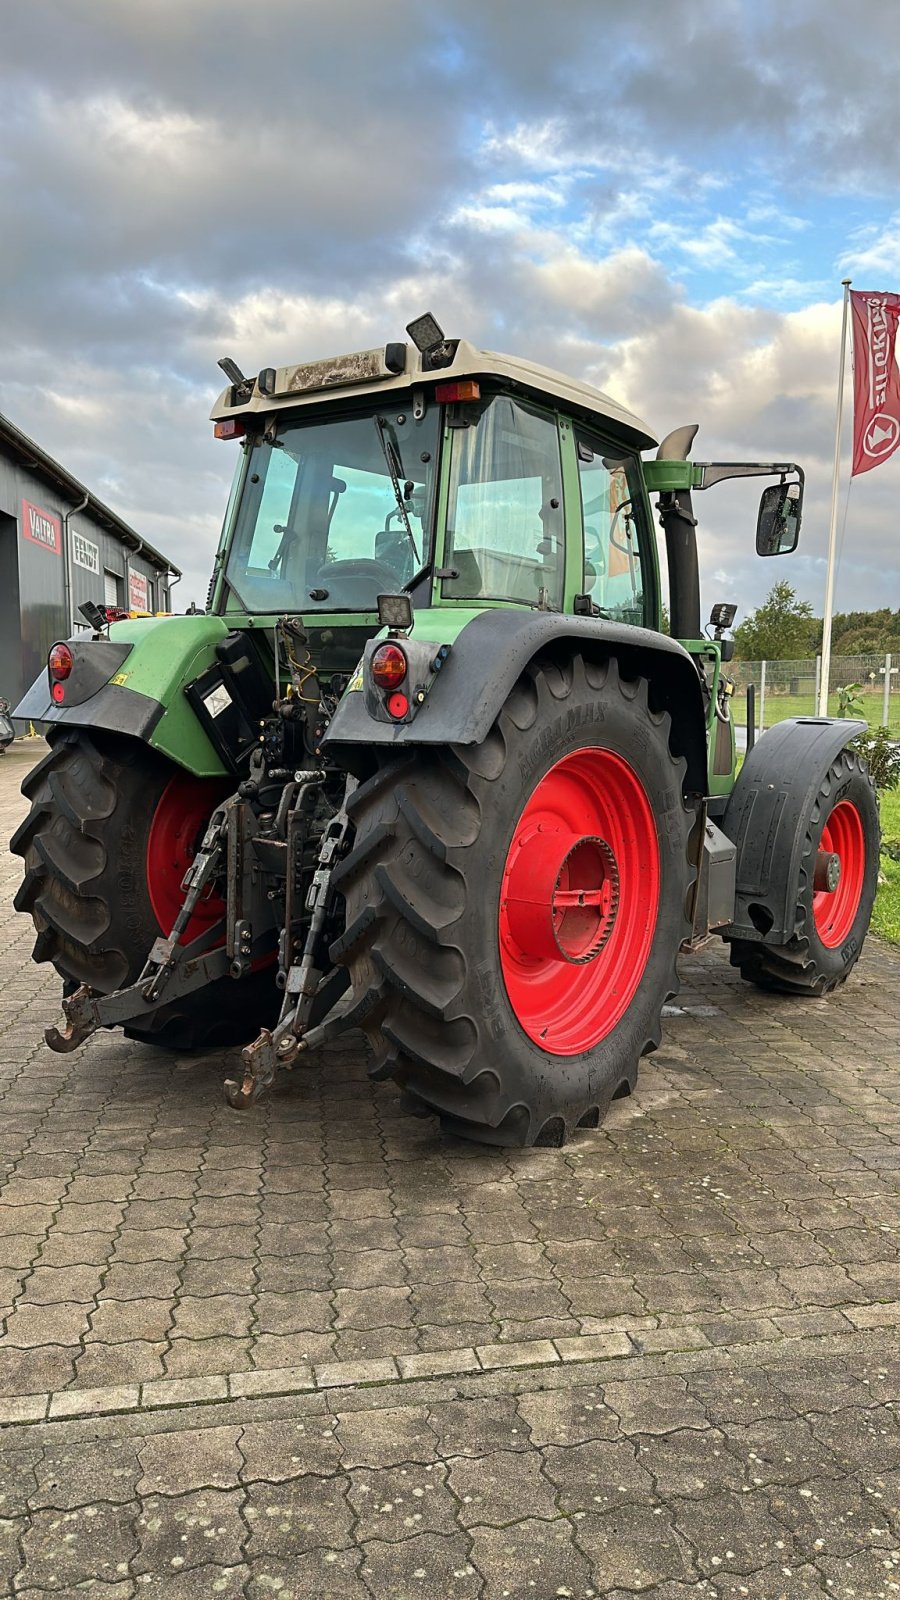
[(579, 900), (844, 837)]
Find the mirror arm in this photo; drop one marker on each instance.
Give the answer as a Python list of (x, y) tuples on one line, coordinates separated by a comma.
[(710, 472)]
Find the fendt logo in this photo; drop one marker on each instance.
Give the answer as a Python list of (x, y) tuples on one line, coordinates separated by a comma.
[(41, 527), (881, 436)]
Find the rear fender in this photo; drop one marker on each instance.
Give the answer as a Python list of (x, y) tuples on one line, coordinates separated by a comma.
[(489, 655), (765, 818), (133, 683)]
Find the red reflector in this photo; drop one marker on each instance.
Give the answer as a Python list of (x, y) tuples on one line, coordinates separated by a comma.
[(59, 662), (388, 666), (463, 389), (397, 704), (230, 428), (58, 692)]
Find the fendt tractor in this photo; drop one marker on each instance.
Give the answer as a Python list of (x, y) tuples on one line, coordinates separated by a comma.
[(427, 765)]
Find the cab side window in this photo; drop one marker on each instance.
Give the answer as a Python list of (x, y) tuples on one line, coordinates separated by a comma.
[(611, 508)]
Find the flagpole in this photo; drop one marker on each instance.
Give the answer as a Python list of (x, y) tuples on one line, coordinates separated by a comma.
[(822, 708)]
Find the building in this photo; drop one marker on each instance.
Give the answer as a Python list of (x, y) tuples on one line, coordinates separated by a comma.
[(61, 546)]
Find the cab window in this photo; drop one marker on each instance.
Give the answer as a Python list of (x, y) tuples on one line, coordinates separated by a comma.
[(505, 518), (612, 510)]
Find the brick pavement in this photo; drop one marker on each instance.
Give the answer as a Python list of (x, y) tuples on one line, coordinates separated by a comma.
[(322, 1350)]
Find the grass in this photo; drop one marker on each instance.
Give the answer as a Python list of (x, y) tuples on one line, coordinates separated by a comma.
[(781, 706), (886, 916)]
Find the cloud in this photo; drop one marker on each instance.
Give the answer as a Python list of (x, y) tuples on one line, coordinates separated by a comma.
[(650, 197)]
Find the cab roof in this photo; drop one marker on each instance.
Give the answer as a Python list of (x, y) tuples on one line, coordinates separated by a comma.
[(396, 368)]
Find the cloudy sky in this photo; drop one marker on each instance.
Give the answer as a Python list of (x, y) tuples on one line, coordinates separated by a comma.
[(659, 197)]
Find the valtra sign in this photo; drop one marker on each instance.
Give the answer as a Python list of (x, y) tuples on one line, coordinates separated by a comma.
[(876, 379), (41, 527)]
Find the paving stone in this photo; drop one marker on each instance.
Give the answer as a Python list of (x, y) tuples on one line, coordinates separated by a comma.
[(861, 1441), (691, 1462), (294, 1313), (286, 1349), (836, 1515), (401, 1502), (425, 1565), (277, 1451), (46, 1367), (596, 1475), (34, 1325), (734, 1532), (176, 1463), (135, 1361), (191, 1358), (567, 1416), (64, 1548), (500, 1488), (386, 1438), (191, 1531), (373, 1308), (632, 1547), (212, 1316), (299, 1514), (477, 1427), (654, 1405)]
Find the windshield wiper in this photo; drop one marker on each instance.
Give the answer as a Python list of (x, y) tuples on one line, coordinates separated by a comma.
[(395, 468)]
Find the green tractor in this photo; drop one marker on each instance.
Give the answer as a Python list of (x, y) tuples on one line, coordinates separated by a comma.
[(427, 766)]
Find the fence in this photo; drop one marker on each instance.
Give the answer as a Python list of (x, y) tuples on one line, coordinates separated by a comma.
[(791, 688)]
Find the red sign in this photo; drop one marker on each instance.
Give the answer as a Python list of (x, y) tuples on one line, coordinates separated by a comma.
[(876, 379), (138, 597), (41, 527)]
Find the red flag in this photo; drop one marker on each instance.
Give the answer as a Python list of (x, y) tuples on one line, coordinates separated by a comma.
[(876, 379)]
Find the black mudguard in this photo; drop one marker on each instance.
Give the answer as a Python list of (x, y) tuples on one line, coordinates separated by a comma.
[(766, 820), (113, 708), (488, 657)]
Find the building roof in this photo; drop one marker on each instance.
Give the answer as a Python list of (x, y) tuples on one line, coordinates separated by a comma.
[(30, 455), (303, 386)]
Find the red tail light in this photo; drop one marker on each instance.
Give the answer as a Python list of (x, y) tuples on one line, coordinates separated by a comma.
[(230, 428), (388, 666), (59, 663), (463, 389)]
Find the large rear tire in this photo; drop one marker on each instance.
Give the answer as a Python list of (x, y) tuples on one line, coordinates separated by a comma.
[(514, 909), (110, 833), (830, 925)]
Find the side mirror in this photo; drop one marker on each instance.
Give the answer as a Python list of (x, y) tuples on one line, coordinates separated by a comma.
[(778, 523)]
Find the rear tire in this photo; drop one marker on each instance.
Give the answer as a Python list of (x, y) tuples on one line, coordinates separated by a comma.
[(94, 802), (439, 983), (829, 928)]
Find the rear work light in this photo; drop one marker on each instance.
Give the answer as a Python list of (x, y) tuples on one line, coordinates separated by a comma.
[(230, 428), (463, 389), (59, 663), (388, 666)]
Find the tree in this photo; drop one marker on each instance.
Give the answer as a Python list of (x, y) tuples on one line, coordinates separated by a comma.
[(781, 629)]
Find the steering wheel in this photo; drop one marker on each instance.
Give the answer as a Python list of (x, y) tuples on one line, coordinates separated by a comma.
[(377, 573)]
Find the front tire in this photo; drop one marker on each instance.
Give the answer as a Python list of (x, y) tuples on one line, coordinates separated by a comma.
[(514, 909), (830, 925)]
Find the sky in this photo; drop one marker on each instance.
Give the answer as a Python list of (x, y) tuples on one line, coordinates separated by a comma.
[(660, 198)]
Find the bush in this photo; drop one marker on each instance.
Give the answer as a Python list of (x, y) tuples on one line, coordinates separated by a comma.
[(882, 755)]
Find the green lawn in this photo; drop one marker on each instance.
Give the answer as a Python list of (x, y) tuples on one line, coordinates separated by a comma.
[(886, 916), (781, 706)]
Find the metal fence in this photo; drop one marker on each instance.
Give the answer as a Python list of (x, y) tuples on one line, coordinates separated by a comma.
[(791, 688)]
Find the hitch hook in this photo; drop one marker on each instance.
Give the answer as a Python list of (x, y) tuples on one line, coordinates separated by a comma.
[(80, 1022)]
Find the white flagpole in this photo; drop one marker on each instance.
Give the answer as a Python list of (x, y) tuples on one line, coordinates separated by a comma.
[(822, 708)]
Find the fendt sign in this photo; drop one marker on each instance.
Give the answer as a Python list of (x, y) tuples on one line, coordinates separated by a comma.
[(41, 527)]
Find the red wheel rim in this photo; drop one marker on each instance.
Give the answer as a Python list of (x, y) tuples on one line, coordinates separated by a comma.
[(578, 901), (183, 810), (834, 914)]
